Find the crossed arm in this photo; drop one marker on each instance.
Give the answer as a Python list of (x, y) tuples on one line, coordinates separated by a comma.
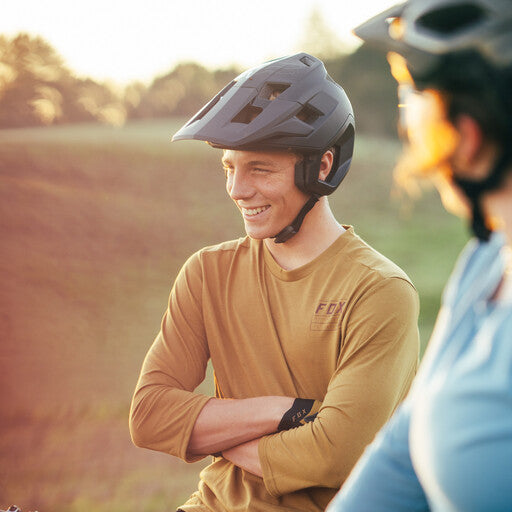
[(166, 415), (234, 427)]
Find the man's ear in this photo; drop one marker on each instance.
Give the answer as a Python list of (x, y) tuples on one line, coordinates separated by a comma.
[(474, 154), (326, 164)]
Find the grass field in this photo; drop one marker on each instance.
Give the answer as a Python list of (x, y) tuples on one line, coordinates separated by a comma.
[(95, 222)]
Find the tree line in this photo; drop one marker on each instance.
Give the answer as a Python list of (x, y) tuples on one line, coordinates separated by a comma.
[(37, 89)]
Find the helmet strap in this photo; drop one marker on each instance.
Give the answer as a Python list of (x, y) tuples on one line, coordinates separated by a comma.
[(291, 230), (474, 190), (307, 166)]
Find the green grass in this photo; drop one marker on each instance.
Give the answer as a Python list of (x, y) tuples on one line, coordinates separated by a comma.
[(95, 222)]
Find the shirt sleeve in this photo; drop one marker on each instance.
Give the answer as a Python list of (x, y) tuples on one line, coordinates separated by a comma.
[(384, 479), (164, 407), (376, 365)]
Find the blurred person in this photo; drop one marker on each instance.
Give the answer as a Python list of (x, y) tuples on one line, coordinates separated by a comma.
[(312, 333), (448, 447)]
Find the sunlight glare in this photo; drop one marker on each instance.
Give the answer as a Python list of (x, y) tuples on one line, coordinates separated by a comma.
[(133, 40)]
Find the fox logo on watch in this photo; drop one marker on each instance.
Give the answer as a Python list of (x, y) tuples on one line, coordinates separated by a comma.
[(327, 315)]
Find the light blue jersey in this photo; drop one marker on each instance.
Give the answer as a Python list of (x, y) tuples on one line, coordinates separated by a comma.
[(449, 446)]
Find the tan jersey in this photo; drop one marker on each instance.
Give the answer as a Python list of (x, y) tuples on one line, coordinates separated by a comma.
[(341, 329)]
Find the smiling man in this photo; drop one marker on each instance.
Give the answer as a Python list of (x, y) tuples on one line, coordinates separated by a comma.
[(312, 334)]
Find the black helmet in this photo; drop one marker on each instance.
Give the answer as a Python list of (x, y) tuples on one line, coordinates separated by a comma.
[(288, 104), (433, 36), (423, 31)]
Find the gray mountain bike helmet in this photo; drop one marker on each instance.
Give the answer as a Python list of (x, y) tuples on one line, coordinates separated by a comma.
[(423, 31), (287, 104), (431, 35)]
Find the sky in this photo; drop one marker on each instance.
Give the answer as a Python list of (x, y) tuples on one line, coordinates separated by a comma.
[(126, 40)]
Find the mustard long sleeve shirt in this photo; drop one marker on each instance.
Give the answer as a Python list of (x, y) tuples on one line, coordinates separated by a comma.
[(341, 329)]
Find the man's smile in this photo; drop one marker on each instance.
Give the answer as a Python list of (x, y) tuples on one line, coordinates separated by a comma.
[(251, 212)]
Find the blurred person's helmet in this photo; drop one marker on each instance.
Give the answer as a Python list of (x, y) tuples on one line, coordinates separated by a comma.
[(287, 104), (464, 48), (423, 31)]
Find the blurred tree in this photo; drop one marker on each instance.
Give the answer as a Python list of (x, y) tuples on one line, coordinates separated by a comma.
[(132, 96), (365, 76), (319, 39), (8, 71), (183, 91), (37, 89), (31, 71), (100, 101)]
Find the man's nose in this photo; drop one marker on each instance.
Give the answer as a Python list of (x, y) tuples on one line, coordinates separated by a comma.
[(238, 185)]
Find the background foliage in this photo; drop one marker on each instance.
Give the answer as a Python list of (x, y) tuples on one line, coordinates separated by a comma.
[(37, 89)]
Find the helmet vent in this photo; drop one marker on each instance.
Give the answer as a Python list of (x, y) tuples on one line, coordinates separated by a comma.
[(451, 19), (271, 91), (307, 60), (308, 114), (247, 114), (212, 102)]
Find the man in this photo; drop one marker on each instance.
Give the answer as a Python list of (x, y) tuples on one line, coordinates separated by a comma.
[(449, 445), (312, 334)]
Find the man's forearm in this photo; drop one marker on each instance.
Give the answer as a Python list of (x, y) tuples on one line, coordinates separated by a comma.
[(223, 424), (246, 457)]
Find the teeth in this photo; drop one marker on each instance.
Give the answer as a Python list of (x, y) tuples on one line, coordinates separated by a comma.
[(254, 211)]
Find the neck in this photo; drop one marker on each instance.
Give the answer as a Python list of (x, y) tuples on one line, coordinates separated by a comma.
[(318, 232), (498, 205)]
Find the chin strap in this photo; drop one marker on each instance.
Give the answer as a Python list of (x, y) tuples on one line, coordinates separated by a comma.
[(291, 230), (474, 190)]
